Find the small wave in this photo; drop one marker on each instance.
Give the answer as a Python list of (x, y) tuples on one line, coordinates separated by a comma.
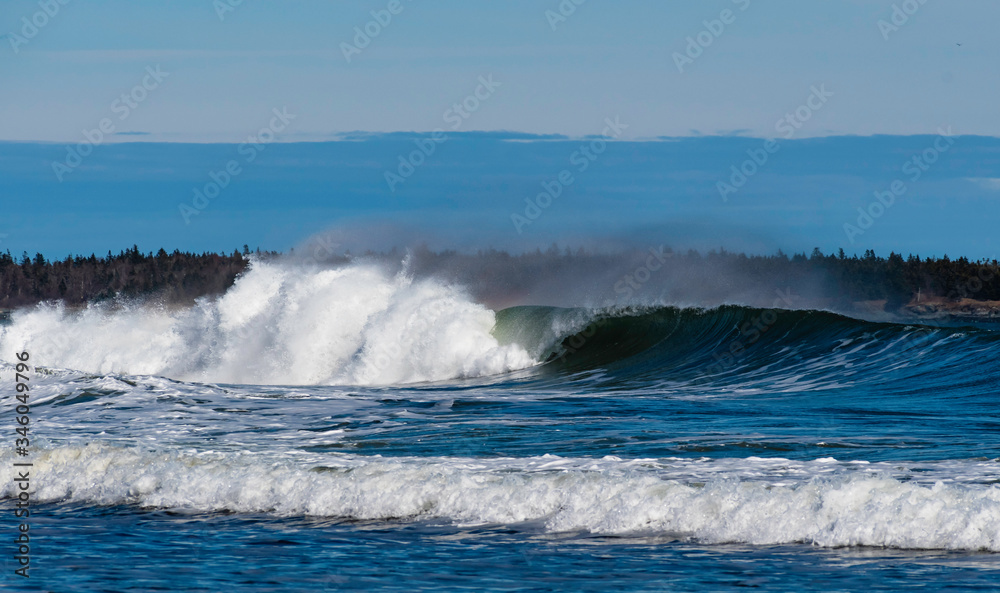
[(755, 501)]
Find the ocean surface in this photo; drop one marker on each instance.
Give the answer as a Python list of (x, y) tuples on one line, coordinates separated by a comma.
[(353, 430)]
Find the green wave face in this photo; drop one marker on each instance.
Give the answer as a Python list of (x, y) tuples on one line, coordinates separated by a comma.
[(729, 343), (539, 330)]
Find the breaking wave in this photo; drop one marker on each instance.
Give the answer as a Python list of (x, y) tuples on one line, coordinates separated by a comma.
[(755, 501), (280, 325)]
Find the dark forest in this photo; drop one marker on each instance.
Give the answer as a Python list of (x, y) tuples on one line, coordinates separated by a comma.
[(179, 277)]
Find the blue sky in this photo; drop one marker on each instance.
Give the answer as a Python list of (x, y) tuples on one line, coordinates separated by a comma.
[(171, 93), (606, 58)]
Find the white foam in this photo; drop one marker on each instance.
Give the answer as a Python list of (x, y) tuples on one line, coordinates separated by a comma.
[(281, 324), (843, 505)]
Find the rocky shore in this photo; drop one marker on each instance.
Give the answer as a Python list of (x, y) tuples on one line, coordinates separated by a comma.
[(962, 310), (933, 311)]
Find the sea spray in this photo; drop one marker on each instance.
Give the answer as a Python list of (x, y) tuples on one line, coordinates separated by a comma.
[(281, 324)]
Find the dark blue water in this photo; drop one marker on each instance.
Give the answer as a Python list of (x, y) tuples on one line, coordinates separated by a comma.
[(826, 454), (130, 549)]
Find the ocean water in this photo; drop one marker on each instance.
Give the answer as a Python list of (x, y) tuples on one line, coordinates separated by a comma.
[(353, 430)]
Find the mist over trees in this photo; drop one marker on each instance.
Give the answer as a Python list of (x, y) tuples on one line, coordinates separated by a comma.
[(564, 277), (557, 276)]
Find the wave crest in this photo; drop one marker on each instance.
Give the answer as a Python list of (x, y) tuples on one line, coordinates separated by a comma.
[(281, 325)]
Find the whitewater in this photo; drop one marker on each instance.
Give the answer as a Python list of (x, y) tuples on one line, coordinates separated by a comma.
[(355, 407), (282, 325)]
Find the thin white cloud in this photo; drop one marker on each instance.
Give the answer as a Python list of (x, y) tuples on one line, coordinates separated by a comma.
[(990, 183), (145, 55), (385, 53)]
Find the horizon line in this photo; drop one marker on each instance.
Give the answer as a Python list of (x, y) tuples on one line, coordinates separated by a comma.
[(143, 137)]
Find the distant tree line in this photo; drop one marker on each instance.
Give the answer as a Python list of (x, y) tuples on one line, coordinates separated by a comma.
[(825, 280), (175, 277), (899, 281), (180, 277)]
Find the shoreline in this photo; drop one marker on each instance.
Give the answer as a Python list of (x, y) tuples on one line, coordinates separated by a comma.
[(934, 310)]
